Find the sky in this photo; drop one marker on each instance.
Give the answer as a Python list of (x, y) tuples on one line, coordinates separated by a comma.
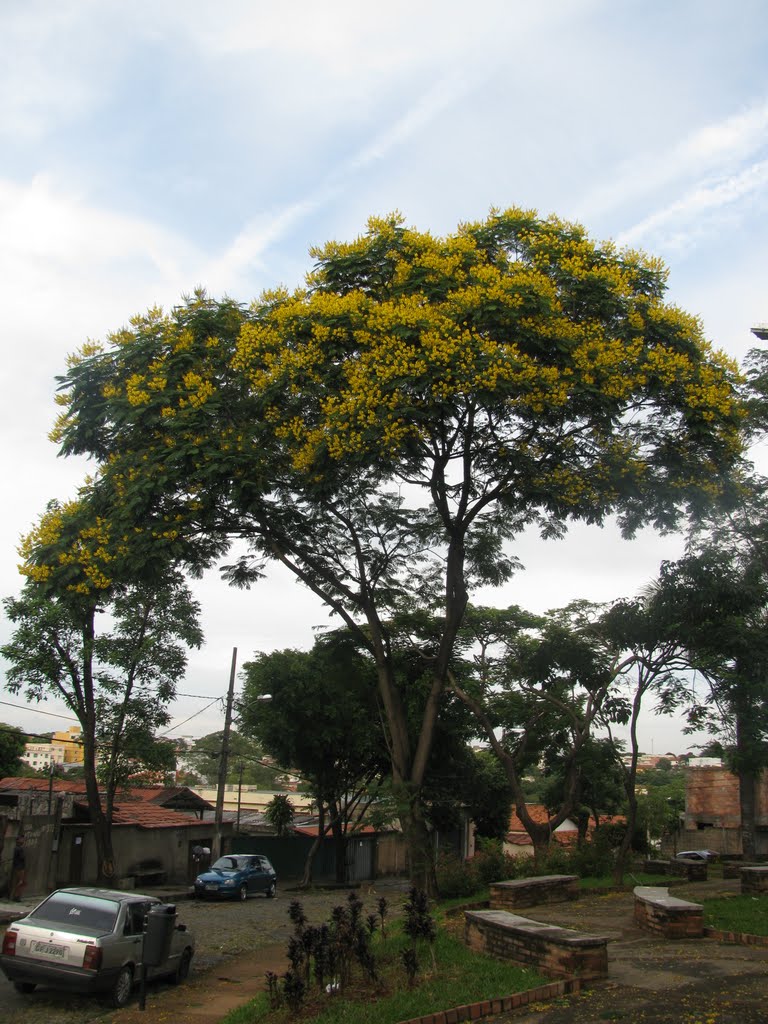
[(147, 148)]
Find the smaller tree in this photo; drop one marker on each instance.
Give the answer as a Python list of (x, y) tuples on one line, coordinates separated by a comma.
[(599, 782), (535, 683), (112, 647), (322, 719), (660, 802), (280, 813), (202, 758), (490, 798)]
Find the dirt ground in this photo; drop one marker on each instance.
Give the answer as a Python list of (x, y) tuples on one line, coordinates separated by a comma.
[(651, 981)]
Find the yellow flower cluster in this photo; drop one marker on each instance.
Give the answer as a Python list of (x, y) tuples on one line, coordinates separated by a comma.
[(455, 326), (135, 389), (199, 390), (89, 550)]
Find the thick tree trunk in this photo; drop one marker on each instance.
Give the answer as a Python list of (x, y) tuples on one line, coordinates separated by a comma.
[(340, 849), (421, 853), (314, 849)]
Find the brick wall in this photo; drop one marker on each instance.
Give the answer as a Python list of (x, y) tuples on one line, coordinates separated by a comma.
[(712, 796), (677, 919), (556, 952), (519, 893)]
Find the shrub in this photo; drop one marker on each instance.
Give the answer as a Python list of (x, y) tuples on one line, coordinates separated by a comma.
[(491, 864), (456, 877)]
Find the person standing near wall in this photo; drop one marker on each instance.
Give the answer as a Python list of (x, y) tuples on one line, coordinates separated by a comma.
[(18, 869)]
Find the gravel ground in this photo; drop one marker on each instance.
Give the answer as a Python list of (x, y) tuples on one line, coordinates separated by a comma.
[(222, 930)]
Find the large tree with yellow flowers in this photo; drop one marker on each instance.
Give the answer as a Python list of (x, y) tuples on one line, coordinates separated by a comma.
[(386, 430)]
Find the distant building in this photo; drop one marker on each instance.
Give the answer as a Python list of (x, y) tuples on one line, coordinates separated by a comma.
[(713, 812), (71, 740), (64, 748)]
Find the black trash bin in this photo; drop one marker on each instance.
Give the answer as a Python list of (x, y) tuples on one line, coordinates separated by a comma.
[(158, 933)]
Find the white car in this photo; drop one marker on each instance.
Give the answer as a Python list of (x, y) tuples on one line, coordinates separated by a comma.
[(697, 855), (92, 940)]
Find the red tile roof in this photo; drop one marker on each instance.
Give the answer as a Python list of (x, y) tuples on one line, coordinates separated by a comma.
[(540, 815), (41, 785), (134, 807)]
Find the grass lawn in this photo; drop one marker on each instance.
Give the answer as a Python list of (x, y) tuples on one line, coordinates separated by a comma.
[(747, 914), (461, 977), (631, 879)]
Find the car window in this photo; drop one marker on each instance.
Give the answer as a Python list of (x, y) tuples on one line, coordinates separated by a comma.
[(226, 864), (134, 918), (78, 912)]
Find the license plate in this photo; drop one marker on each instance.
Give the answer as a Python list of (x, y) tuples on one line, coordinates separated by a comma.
[(49, 948), (212, 888)]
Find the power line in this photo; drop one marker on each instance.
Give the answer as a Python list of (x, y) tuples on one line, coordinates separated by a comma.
[(202, 711), (26, 707)]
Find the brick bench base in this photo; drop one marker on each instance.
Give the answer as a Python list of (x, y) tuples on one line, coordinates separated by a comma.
[(556, 952), (518, 893), (656, 911)]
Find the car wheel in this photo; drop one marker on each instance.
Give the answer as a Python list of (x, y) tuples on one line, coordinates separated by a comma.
[(272, 891), (242, 892), (182, 968), (25, 987), (121, 990)]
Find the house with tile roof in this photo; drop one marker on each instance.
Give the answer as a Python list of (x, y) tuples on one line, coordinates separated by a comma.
[(154, 832), (517, 842)]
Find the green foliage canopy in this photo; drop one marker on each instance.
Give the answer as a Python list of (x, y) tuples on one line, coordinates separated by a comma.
[(12, 743)]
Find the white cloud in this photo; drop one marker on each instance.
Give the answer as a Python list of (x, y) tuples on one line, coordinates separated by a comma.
[(674, 225), (717, 147)]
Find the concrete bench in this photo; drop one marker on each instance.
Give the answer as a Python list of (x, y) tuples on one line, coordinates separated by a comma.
[(556, 952), (147, 872), (656, 911), (518, 893), (754, 879)]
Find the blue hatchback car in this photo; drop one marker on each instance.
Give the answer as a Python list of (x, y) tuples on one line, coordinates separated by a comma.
[(237, 876)]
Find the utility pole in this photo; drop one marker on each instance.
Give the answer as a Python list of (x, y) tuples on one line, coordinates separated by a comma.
[(223, 761), (239, 793)]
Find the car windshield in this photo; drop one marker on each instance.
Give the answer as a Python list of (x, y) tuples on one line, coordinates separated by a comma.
[(77, 912), (233, 863)]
